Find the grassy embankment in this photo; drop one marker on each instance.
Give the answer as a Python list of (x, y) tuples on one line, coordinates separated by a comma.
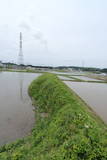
[(65, 129)]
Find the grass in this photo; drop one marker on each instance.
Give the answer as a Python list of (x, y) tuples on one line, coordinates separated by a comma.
[(65, 128)]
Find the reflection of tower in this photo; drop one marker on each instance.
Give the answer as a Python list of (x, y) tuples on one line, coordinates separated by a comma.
[(21, 86), (21, 51)]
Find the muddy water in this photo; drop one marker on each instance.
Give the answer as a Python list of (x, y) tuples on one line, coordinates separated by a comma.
[(64, 78), (16, 110), (94, 94), (85, 78)]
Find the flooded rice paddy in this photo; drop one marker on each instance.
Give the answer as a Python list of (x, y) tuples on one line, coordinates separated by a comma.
[(16, 110), (85, 78), (94, 94)]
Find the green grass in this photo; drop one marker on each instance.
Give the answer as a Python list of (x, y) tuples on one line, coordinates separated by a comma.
[(69, 130)]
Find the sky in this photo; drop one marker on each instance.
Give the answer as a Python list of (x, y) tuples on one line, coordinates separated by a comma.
[(55, 32)]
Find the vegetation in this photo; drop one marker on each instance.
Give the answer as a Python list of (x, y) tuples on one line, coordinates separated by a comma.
[(65, 129), (104, 70)]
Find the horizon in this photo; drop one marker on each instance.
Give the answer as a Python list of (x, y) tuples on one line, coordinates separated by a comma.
[(53, 66), (56, 33)]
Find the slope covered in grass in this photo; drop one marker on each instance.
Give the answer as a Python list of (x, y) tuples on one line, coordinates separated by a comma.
[(65, 128)]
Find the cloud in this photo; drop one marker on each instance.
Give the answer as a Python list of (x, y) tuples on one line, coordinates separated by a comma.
[(44, 42), (25, 26), (36, 33)]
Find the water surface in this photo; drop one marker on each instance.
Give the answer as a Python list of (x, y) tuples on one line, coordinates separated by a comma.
[(65, 78), (86, 78), (16, 110), (94, 94)]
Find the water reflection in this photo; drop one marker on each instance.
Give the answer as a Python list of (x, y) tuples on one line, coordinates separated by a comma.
[(21, 81), (94, 94), (16, 110)]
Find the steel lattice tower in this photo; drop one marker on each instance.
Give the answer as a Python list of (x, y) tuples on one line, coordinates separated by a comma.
[(21, 51)]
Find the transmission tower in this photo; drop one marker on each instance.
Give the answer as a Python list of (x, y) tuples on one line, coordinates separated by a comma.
[(20, 51)]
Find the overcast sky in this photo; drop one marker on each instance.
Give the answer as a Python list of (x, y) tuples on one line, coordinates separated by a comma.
[(55, 32)]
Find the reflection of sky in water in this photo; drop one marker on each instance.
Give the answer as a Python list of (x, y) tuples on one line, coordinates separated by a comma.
[(16, 110), (94, 94), (86, 78)]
